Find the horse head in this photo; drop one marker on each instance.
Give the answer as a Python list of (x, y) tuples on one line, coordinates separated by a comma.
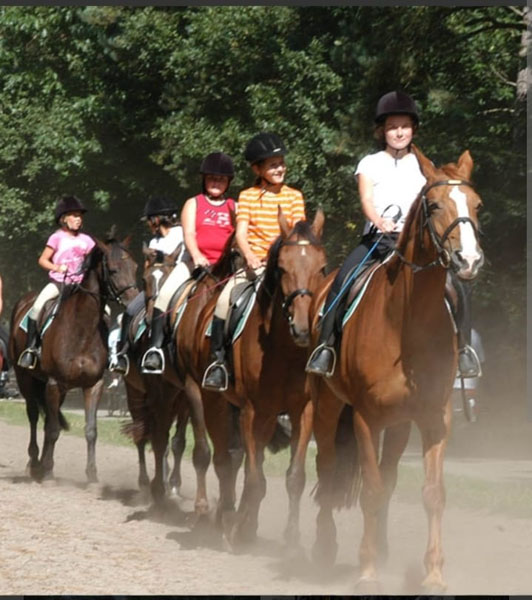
[(298, 259), (450, 208), (118, 269), (157, 267)]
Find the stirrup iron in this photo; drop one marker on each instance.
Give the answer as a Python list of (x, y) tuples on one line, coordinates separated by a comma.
[(114, 364), (316, 350), (33, 353), (222, 366), (147, 371)]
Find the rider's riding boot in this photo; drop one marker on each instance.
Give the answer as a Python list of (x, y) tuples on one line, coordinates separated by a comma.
[(322, 361), (119, 363), (468, 362), (216, 376), (28, 358), (153, 359)]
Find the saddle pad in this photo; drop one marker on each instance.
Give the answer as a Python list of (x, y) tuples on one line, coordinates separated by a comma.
[(243, 318), (140, 330), (24, 322)]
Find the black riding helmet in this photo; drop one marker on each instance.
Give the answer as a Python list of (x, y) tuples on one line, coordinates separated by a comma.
[(217, 163), (396, 103), (262, 146), (159, 206), (68, 204)]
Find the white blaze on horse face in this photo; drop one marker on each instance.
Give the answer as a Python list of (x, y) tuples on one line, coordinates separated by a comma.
[(468, 239), (157, 274)]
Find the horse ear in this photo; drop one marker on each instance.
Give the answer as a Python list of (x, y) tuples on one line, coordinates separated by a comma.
[(283, 223), (465, 164), (111, 234), (427, 166), (176, 252), (317, 224)]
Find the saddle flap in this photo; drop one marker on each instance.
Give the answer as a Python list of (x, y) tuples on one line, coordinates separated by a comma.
[(240, 301)]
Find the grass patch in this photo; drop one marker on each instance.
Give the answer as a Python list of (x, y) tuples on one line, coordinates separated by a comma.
[(511, 498)]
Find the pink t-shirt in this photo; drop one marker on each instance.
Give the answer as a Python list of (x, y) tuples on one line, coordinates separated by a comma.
[(69, 250)]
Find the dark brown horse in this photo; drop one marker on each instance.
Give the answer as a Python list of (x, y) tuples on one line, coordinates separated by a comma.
[(169, 396), (397, 364), (269, 362), (73, 351)]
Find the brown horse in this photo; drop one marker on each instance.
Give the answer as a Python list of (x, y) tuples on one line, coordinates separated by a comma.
[(269, 363), (397, 364), (168, 396), (73, 352)]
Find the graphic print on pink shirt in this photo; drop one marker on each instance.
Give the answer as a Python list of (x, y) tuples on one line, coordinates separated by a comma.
[(69, 250)]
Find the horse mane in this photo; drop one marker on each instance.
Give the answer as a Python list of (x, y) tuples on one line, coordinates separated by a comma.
[(223, 266)]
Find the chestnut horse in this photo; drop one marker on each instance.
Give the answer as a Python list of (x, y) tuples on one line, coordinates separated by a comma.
[(269, 373), (397, 364), (73, 351)]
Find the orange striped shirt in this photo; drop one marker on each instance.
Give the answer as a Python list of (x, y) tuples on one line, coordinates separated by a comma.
[(259, 208)]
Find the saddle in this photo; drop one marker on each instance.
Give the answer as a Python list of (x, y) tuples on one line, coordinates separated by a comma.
[(241, 302)]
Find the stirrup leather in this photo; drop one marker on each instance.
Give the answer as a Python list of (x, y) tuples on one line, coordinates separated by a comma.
[(145, 370), (114, 364), (33, 353), (208, 370), (316, 350)]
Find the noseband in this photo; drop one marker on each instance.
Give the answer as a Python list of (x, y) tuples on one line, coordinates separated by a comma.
[(287, 301), (444, 257)]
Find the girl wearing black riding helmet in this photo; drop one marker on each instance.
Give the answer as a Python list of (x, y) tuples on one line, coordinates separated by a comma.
[(389, 181), (207, 224), (256, 229), (161, 216), (62, 257)]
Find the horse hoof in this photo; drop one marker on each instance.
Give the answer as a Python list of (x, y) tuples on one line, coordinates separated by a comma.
[(324, 557), (367, 585), (434, 583), (201, 507)]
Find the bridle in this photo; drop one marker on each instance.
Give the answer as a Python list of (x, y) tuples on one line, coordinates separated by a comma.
[(113, 292), (287, 300), (444, 257)]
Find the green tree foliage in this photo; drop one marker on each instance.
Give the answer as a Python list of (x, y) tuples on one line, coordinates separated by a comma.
[(115, 103)]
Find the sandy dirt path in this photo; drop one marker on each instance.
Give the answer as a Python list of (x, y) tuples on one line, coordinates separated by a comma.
[(67, 538)]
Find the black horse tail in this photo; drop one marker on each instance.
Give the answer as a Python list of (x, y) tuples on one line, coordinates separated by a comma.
[(347, 476), (346, 479), (281, 437), (63, 423)]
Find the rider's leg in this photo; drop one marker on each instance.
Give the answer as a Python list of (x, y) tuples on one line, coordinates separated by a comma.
[(216, 376), (29, 356), (323, 358), (120, 362), (153, 359), (468, 360)]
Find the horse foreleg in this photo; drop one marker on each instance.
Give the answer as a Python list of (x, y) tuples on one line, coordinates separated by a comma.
[(54, 400), (371, 497), (143, 479), (295, 475), (178, 445), (163, 417), (394, 444), (256, 432), (219, 421), (201, 454), (33, 391), (91, 398), (326, 413), (434, 436)]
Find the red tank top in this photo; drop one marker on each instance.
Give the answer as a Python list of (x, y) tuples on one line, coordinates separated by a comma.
[(213, 226)]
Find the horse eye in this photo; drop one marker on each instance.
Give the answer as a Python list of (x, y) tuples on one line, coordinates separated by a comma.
[(433, 206)]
